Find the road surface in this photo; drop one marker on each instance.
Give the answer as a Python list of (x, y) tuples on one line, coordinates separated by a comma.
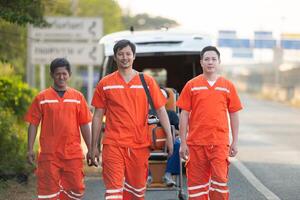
[(268, 163)]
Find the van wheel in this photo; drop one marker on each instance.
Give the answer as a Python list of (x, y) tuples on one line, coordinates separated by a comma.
[(182, 196)]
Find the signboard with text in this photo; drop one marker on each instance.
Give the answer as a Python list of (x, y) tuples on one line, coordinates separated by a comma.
[(81, 54), (75, 38), (69, 28)]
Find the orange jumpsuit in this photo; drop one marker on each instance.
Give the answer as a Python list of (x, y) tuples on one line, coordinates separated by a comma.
[(208, 135), (125, 141), (60, 165)]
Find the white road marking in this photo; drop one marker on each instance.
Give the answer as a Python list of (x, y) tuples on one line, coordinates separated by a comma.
[(253, 180)]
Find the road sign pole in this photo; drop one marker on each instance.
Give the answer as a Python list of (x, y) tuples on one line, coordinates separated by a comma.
[(30, 70), (90, 83), (42, 77)]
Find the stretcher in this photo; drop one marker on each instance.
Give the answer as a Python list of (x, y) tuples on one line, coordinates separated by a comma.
[(159, 155)]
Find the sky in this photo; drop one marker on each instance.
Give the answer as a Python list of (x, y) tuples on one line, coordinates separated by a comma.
[(209, 16)]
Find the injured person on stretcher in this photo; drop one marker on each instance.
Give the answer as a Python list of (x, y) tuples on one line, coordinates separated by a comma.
[(173, 162)]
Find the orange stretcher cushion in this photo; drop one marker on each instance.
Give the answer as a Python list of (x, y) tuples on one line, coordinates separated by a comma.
[(171, 103), (158, 137)]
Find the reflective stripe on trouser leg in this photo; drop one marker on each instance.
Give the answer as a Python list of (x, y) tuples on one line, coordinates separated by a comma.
[(114, 193), (113, 168), (136, 173), (49, 196), (198, 174), (219, 172), (72, 176), (48, 175)]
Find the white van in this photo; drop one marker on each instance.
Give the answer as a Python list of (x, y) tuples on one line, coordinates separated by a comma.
[(171, 57)]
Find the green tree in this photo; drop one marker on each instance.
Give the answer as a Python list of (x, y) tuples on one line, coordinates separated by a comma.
[(14, 15), (22, 12), (109, 10)]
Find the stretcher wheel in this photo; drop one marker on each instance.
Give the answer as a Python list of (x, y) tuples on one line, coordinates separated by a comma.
[(182, 196)]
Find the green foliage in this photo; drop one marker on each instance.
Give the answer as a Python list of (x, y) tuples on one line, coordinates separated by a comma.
[(14, 14), (146, 22), (13, 46), (16, 95), (57, 8), (109, 10), (22, 12), (12, 144), (15, 98)]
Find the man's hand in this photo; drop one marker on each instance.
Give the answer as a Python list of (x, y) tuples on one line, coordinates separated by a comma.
[(233, 150), (89, 158), (184, 151), (31, 157), (95, 157)]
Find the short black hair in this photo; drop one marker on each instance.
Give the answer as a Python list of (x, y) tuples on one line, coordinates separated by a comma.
[(60, 62), (122, 44), (209, 48)]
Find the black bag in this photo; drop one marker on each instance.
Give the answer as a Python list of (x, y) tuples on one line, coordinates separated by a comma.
[(152, 119)]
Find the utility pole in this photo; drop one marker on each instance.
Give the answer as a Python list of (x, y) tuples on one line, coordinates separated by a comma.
[(277, 61)]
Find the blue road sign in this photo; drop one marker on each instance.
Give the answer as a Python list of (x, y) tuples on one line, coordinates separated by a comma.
[(234, 43), (290, 44), (264, 44)]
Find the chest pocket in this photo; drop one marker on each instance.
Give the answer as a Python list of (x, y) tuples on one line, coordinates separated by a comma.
[(221, 97), (115, 96), (200, 94)]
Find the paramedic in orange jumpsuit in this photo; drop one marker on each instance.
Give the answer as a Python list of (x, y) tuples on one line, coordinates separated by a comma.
[(203, 127), (122, 98), (63, 112)]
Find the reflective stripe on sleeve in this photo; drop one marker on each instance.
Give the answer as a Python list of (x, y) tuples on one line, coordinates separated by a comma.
[(49, 101), (109, 87), (137, 87), (199, 88), (72, 101), (222, 89)]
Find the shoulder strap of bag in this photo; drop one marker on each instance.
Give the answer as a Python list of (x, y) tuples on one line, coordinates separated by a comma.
[(147, 93)]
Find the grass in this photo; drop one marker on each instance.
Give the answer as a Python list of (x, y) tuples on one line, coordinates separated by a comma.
[(12, 190)]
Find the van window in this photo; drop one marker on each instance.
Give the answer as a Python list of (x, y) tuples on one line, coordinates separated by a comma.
[(171, 57), (159, 74), (169, 70), (174, 70)]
